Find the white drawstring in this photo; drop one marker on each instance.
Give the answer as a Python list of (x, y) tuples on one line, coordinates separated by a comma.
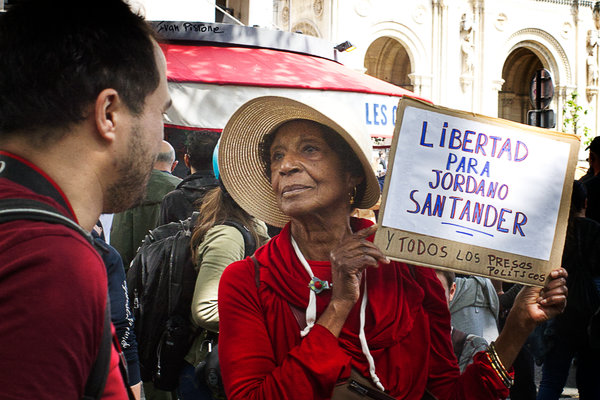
[(311, 315), (363, 338), (311, 310)]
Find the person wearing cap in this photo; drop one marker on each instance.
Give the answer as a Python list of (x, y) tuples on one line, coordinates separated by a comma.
[(592, 180), (320, 302)]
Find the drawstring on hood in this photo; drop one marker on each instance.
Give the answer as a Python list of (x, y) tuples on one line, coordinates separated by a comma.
[(311, 314)]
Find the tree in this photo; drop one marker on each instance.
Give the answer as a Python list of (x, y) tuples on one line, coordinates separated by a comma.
[(572, 114)]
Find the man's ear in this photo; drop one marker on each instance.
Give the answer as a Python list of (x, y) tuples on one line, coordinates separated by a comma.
[(186, 160), (452, 291), (107, 110)]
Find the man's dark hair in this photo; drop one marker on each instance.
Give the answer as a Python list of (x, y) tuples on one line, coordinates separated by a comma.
[(57, 56), (449, 276), (200, 146)]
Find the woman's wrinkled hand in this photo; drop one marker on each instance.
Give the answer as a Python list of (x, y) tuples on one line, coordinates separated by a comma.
[(534, 305), (349, 259)]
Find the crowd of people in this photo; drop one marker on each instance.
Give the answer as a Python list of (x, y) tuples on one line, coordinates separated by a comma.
[(290, 286)]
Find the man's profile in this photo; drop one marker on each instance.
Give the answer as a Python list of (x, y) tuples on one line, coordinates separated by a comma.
[(82, 95)]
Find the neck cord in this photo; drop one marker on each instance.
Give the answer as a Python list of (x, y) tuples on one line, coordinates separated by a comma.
[(311, 315), (311, 310)]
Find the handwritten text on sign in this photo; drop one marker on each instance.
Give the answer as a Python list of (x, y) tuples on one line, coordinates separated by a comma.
[(472, 182)]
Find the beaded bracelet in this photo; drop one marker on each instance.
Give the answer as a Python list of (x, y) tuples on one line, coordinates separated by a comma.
[(498, 366)]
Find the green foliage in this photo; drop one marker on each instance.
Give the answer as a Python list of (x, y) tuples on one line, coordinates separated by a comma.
[(572, 114)]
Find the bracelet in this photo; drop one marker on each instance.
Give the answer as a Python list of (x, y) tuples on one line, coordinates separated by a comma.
[(498, 366)]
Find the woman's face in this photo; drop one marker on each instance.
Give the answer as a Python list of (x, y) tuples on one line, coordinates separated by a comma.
[(306, 174)]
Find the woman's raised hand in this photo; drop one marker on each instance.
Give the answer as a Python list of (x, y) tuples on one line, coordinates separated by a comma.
[(353, 254), (532, 306), (539, 305)]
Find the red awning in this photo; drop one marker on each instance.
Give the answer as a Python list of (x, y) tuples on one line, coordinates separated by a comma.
[(245, 66)]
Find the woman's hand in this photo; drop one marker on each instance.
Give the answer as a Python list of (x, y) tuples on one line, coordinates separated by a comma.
[(349, 259), (538, 305), (532, 306)]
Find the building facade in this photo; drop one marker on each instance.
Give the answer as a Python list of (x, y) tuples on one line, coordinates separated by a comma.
[(473, 55)]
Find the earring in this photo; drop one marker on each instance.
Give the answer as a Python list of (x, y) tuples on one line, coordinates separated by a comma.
[(352, 196)]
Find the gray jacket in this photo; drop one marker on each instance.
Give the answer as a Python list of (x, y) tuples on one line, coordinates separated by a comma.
[(474, 308)]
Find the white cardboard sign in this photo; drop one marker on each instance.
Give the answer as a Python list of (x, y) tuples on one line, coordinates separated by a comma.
[(476, 194)]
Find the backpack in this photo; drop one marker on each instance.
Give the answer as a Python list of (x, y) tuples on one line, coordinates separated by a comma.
[(161, 282), (32, 210), (458, 342)]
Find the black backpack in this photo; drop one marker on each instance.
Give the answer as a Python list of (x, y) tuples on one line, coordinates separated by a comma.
[(161, 282)]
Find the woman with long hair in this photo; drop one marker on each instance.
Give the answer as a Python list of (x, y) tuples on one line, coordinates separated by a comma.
[(217, 241)]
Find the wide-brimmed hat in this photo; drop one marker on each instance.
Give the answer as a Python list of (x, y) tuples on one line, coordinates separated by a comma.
[(242, 170)]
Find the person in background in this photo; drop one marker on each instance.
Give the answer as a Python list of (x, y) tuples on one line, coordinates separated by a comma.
[(215, 245), (381, 168), (129, 227), (592, 180), (179, 204), (320, 302), (83, 89), (570, 339), (524, 369), (120, 312), (474, 307), (465, 345)]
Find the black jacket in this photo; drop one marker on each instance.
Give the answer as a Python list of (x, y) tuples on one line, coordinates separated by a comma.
[(179, 204)]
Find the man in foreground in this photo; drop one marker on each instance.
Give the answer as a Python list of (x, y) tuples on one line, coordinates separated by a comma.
[(82, 93)]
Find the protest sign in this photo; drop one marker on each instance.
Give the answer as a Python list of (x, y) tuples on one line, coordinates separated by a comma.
[(475, 194)]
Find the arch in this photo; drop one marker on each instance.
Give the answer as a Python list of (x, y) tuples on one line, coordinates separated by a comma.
[(307, 27), (513, 99), (550, 54), (387, 59), (387, 36), (546, 48)]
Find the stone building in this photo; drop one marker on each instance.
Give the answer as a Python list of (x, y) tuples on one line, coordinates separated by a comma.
[(473, 55)]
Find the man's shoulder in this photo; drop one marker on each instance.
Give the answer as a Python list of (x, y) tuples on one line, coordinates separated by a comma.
[(159, 185), (58, 280), (163, 177), (52, 239)]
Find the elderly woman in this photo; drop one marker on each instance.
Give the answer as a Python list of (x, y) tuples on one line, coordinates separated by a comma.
[(320, 302)]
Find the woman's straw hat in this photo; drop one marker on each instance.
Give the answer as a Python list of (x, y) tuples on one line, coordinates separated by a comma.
[(242, 169)]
